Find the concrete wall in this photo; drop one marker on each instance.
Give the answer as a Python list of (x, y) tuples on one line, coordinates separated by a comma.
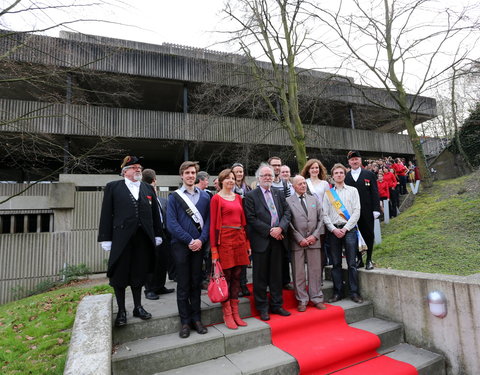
[(402, 296), (449, 165)]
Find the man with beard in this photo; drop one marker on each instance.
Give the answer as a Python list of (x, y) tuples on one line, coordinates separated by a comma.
[(268, 217), (130, 229)]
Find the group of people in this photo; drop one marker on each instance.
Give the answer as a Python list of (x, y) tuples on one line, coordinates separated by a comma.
[(279, 223), (392, 177)]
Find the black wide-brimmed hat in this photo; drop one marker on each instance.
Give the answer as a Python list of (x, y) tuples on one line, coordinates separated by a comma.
[(353, 154), (130, 160)]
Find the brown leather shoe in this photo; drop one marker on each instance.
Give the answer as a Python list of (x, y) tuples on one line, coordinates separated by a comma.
[(302, 307), (184, 331), (320, 306)]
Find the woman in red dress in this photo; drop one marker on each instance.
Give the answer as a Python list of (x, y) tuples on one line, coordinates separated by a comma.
[(229, 242)]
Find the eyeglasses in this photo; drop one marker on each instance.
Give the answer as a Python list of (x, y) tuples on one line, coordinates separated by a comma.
[(266, 175)]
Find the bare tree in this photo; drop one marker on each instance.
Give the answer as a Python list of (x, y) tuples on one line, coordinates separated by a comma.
[(50, 87), (275, 30), (401, 45)]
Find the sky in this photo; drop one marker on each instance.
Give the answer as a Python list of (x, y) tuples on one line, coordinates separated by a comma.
[(186, 22)]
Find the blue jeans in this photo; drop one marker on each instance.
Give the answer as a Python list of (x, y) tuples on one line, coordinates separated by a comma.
[(350, 242)]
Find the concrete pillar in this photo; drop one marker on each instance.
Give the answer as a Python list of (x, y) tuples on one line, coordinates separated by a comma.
[(352, 119)]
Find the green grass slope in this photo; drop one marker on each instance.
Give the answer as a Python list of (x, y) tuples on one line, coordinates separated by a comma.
[(35, 331), (440, 233)]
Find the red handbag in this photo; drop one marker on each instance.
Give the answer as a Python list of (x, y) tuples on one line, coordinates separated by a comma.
[(217, 287)]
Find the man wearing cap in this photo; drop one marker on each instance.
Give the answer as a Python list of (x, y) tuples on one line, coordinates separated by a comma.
[(366, 183), (130, 229)]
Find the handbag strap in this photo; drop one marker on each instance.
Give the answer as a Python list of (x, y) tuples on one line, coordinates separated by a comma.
[(217, 270)]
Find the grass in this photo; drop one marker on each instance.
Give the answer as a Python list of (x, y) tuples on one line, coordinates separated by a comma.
[(440, 233), (35, 331)]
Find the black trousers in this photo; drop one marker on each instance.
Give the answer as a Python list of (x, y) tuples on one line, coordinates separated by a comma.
[(368, 234), (350, 243), (267, 271), (156, 279), (188, 265)]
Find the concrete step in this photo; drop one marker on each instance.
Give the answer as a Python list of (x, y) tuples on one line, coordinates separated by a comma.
[(166, 352), (265, 360), (165, 318), (426, 362), (390, 333)]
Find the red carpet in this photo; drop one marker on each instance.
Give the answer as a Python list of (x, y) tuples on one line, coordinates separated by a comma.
[(322, 342)]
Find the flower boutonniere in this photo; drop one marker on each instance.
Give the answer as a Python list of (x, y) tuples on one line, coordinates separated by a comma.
[(149, 197), (367, 182)]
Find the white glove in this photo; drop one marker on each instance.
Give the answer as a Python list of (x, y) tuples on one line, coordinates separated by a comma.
[(158, 241), (106, 245), (376, 214)]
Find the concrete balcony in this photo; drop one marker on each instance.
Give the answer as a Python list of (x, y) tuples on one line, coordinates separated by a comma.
[(95, 121)]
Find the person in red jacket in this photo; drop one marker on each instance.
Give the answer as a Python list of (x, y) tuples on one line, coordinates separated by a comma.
[(389, 176), (401, 170), (383, 189)]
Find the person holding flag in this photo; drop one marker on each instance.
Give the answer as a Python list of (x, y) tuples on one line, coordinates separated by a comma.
[(341, 211)]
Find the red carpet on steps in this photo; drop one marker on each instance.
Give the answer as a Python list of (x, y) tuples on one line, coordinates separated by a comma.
[(322, 342)]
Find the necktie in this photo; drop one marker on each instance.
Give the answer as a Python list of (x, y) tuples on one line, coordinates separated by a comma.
[(271, 208), (304, 206)]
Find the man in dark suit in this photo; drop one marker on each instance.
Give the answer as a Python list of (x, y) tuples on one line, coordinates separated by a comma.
[(366, 184), (188, 222), (268, 217), (155, 284), (130, 229)]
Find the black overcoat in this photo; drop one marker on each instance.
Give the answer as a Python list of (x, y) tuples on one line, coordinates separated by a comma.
[(121, 217)]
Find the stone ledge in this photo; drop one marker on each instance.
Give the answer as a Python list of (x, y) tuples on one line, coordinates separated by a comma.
[(90, 350)]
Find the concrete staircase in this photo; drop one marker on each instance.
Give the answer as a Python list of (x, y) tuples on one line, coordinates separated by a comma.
[(154, 347)]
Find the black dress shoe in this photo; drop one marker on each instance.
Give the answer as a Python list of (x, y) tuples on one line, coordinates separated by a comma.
[(288, 286), (184, 331), (356, 298), (369, 265), (281, 311), (121, 319), (140, 312), (199, 327), (245, 292), (264, 316), (151, 295), (360, 263), (164, 290), (335, 298)]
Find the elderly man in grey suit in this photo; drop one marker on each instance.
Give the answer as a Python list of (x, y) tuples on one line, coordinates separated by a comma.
[(306, 227)]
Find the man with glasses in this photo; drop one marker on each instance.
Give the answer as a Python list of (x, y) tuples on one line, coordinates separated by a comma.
[(268, 217), (282, 186), (130, 229)]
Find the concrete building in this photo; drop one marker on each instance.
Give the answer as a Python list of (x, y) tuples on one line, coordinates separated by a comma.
[(79, 94), (164, 102)]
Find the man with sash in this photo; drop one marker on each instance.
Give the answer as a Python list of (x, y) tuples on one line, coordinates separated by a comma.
[(341, 211), (188, 222)]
